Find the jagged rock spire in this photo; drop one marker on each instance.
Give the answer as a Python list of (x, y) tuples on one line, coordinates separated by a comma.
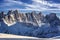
[(9, 12), (2, 15)]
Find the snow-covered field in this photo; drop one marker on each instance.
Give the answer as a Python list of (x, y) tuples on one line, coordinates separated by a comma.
[(17, 37), (3, 35)]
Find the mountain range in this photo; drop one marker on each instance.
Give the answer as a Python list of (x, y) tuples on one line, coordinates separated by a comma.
[(30, 24)]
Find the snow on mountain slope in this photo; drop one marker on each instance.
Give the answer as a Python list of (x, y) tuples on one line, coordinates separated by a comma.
[(21, 29), (29, 30), (9, 24)]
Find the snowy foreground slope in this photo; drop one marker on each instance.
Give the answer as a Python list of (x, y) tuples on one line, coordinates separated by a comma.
[(29, 30), (30, 24), (3, 35), (17, 37)]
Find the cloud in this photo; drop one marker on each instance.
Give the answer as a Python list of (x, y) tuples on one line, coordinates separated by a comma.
[(37, 5), (47, 3)]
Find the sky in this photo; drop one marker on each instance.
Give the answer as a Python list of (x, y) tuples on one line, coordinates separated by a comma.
[(45, 6)]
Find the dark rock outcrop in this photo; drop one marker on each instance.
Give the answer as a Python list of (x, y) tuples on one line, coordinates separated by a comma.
[(52, 19)]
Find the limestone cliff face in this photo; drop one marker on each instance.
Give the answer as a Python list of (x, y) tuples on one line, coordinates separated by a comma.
[(34, 18), (15, 16)]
